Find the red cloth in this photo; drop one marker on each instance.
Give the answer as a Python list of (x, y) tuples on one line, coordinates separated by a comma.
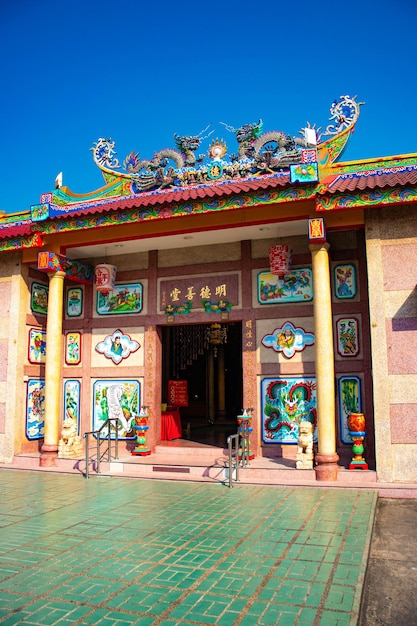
[(171, 425)]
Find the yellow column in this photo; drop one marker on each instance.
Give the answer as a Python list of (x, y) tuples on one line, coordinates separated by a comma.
[(327, 458), (53, 368)]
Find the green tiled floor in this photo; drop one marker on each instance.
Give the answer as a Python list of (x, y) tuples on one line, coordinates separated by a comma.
[(115, 552)]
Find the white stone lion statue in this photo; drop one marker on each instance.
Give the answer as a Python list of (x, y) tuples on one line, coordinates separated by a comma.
[(70, 444), (305, 437), (305, 457)]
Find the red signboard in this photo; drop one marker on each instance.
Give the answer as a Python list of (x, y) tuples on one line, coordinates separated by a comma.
[(178, 392)]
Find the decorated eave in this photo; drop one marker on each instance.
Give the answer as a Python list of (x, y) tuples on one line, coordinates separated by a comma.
[(268, 167), (382, 184)]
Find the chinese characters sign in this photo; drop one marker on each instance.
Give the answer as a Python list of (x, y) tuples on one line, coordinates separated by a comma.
[(178, 392), (216, 292)]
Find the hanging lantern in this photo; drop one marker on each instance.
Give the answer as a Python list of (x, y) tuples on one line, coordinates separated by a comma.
[(105, 276), (216, 334), (279, 260)]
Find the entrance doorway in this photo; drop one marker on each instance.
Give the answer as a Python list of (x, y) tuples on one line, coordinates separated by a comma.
[(209, 358)]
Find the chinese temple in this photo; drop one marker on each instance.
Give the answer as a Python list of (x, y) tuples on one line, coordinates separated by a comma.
[(255, 277)]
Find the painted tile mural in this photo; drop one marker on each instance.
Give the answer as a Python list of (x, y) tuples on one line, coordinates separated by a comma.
[(347, 336), (350, 401), (35, 408), (117, 346), (345, 281), (116, 398), (72, 401), (74, 302), (72, 348), (39, 298), (296, 286), (288, 339), (286, 402), (37, 345), (123, 299)]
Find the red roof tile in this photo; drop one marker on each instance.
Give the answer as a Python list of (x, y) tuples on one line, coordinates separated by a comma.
[(10, 232), (170, 196), (399, 177)]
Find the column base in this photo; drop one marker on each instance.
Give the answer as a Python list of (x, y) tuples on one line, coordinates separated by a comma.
[(49, 454), (327, 468)]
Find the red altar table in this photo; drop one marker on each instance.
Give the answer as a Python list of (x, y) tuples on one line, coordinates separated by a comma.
[(171, 425)]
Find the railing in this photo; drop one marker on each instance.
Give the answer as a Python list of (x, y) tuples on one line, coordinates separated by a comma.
[(233, 467), (100, 440)]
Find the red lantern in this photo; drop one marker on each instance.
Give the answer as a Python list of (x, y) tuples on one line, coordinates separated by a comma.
[(279, 260), (105, 276)]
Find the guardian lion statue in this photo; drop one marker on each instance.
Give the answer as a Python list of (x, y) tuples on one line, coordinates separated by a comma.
[(305, 456), (70, 445)]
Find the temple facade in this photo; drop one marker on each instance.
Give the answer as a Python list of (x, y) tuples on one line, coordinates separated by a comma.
[(274, 283)]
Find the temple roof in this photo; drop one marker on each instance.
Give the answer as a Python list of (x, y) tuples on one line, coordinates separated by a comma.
[(270, 167)]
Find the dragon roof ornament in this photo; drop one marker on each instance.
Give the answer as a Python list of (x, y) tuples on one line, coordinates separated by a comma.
[(258, 153)]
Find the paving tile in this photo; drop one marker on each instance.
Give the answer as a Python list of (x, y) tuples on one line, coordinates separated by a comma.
[(167, 554), (205, 609), (226, 583), (340, 597), (149, 599), (268, 614)]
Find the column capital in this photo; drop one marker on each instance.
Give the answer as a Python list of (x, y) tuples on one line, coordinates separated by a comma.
[(316, 247), (58, 274)]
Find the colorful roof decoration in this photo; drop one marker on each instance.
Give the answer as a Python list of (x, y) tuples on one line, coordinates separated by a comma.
[(267, 167), (179, 174)]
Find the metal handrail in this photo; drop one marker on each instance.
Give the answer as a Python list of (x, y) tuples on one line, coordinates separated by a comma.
[(99, 442), (230, 440)]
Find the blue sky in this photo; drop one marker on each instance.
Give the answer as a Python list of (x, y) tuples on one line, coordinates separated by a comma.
[(74, 71)]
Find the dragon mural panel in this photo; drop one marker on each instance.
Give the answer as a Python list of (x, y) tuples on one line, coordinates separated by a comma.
[(285, 403)]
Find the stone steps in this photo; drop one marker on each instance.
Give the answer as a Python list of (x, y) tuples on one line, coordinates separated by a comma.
[(195, 462)]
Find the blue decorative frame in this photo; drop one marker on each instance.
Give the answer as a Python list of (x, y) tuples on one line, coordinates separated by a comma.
[(285, 402), (345, 281), (35, 408), (116, 398), (296, 286), (350, 401)]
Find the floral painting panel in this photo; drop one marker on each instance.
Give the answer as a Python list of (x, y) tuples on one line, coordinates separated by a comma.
[(345, 281), (73, 348), (350, 401), (347, 336)]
